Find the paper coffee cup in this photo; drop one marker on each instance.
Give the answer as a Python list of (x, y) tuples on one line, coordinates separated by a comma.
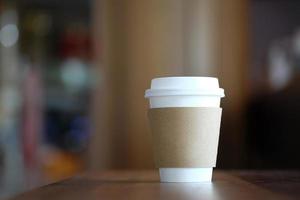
[(185, 149)]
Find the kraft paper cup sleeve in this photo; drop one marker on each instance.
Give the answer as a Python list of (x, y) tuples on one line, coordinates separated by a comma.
[(185, 137)]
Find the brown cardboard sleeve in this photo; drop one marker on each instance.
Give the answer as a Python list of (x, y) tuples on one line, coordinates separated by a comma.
[(185, 136)]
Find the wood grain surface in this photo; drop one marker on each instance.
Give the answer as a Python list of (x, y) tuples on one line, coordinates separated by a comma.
[(145, 185)]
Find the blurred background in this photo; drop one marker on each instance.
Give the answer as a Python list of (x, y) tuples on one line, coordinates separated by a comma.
[(73, 75)]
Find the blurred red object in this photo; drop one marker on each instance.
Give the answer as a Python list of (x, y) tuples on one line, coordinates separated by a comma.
[(32, 116), (75, 42)]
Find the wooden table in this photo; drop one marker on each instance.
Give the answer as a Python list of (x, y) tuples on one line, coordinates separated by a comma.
[(144, 185)]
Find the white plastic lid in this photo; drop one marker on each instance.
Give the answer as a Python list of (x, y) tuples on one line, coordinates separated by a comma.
[(170, 86)]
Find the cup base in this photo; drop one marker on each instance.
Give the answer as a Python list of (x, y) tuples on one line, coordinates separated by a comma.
[(185, 174)]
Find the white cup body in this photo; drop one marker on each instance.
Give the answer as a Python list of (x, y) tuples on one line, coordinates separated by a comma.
[(168, 95), (184, 101)]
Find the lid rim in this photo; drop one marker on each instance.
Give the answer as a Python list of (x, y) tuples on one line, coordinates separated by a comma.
[(177, 92)]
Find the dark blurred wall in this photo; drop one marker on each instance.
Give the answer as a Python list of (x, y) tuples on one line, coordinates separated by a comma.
[(273, 110), (270, 20)]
